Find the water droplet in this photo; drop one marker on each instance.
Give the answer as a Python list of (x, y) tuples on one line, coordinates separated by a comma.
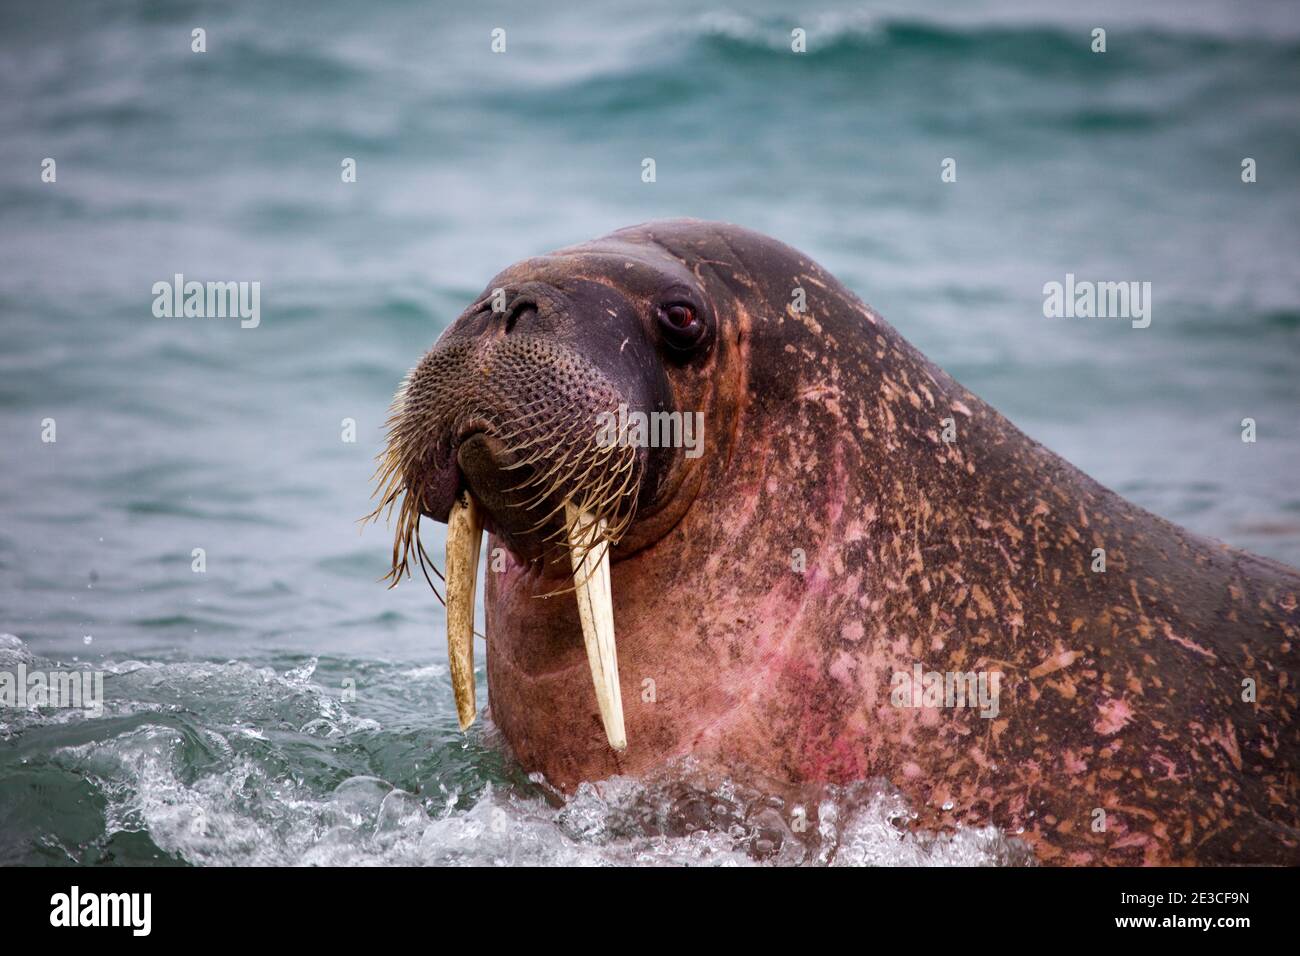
[(948, 805), (87, 639)]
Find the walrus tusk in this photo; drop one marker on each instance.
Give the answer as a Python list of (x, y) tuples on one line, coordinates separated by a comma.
[(590, 555), (464, 532)]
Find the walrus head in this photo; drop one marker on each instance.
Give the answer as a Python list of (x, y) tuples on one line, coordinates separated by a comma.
[(550, 414)]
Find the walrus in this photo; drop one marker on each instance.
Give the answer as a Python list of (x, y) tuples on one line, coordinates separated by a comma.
[(773, 600)]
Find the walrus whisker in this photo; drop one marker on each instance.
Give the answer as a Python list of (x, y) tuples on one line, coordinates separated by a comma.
[(422, 557), (425, 555)]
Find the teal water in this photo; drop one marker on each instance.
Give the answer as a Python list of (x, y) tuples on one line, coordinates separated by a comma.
[(228, 737)]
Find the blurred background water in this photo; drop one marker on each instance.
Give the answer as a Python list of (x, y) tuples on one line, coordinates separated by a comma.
[(227, 736)]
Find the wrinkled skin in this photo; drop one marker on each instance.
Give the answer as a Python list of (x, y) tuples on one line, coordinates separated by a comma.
[(1121, 691)]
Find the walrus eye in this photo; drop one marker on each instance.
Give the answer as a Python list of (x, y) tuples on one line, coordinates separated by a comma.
[(682, 327)]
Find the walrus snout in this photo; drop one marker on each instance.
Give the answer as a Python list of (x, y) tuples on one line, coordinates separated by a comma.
[(514, 420), (512, 403), (495, 475)]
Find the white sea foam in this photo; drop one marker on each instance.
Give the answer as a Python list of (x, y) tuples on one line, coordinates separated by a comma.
[(214, 762), (246, 813)]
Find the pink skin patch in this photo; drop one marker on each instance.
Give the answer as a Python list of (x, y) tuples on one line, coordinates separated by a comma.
[(1115, 715), (1055, 663), (1133, 839), (1168, 766), (1184, 642), (842, 668)]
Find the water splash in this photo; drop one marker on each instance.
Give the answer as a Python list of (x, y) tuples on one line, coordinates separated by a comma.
[(226, 763)]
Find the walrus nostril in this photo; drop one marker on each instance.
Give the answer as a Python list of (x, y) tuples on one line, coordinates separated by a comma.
[(520, 308)]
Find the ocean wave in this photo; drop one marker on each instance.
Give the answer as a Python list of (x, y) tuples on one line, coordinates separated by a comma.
[(1027, 45), (918, 72)]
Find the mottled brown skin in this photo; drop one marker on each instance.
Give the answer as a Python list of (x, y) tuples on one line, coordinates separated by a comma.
[(1122, 690)]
